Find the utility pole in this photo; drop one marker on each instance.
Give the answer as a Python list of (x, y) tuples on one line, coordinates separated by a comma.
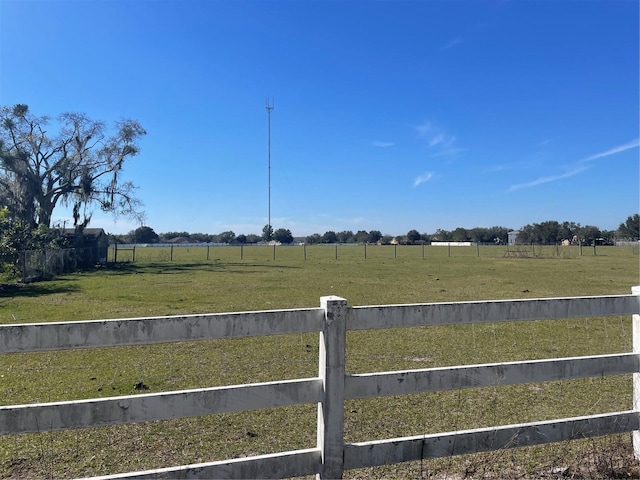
[(269, 105)]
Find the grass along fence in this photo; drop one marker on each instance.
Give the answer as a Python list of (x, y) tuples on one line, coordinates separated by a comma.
[(333, 386), (212, 253)]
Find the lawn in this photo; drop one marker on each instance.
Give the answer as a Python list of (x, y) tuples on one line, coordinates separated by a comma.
[(218, 279)]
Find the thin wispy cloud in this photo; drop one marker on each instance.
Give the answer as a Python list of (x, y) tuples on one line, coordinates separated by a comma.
[(440, 142), (382, 144), (468, 33), (452, 43), (620, 148), (522, 165), (423, 129), (422, 179), (438, 139), (552, 178), (448, 152), (435, 136), (579, 166)]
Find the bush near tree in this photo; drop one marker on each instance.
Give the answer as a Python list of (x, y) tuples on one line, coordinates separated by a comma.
[(17, 237)]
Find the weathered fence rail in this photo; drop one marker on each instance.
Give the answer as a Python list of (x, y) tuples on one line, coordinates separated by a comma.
[(333, 386)]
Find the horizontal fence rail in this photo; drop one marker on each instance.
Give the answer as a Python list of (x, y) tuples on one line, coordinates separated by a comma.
[(295, 463), (413, 315), (495, 374), (157, 406), (33, 337), (333, 385), (396, 450)]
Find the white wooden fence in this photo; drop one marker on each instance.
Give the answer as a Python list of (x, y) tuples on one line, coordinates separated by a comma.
[(332, 386)]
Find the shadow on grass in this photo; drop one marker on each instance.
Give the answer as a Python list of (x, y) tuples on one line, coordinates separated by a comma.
[(12, 290), (169, 268)]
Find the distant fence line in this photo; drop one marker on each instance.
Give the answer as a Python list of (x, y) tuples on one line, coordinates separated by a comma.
[(34, 265), (624, 243), (131, 252)]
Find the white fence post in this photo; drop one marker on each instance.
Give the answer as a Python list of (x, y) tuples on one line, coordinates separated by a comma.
[(332, 373), (636, 376)]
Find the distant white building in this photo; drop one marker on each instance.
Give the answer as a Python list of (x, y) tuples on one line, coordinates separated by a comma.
[(450, 244), (513, 237)]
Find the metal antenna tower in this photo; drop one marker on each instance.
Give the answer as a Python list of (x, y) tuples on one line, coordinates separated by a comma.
[(269, 105)]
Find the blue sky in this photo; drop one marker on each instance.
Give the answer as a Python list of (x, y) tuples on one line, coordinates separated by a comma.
[(389, 115)]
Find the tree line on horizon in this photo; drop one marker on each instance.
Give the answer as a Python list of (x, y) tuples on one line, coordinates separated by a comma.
[(549, 232)]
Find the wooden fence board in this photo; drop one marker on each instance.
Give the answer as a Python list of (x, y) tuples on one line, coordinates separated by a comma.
[(397, 450), (412, 315), (41, 417), (472, 376), (33, 337), (279, 465)]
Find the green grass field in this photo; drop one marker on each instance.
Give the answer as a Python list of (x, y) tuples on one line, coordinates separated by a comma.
[(231, 280)]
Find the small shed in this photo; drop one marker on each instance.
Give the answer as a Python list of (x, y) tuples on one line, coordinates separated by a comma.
[(513, 237), (93, 244)]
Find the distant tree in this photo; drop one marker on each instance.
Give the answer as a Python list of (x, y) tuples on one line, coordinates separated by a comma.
[(545, 233), (497, 235), (329, 237), (609, 236), (313, 239), (460, 235), (227, 237), (477, 234), (200, 237), (550, 232), (568, 230), (403, 240), (143, 234), (526, 235), (442, 236), (589, 234), (361, 236), (425, 237), (283, 235), (267, 233), (413, 236), (493, 235), (79, 166), (345, 236), (241, 239), (170, 235), (630, 229), (385, 239), (113, 238), (374, 236), (252, 238)]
